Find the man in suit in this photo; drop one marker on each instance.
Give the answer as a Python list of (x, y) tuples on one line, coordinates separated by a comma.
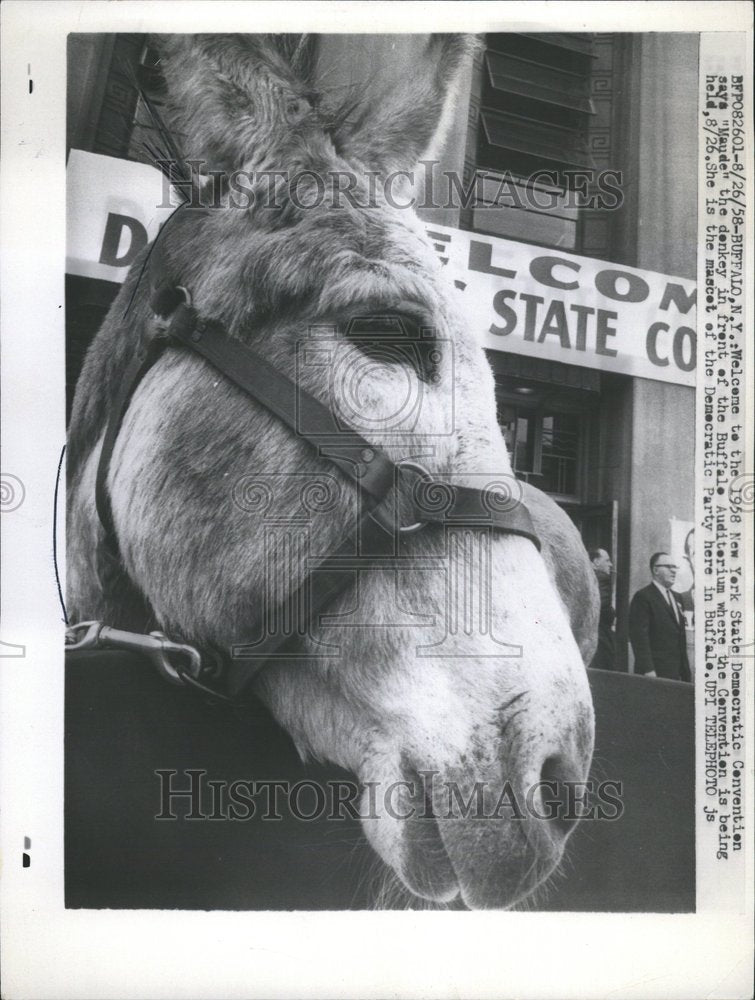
[(656, 625), (605, 654)]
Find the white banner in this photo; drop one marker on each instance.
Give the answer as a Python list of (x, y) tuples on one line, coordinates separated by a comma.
[(561, 307), (523, 299)]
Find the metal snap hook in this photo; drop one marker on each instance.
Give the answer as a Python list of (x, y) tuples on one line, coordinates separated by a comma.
[(176, 662)]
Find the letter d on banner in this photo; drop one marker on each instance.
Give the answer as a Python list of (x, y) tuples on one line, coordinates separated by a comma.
[(111, 241), (114, 209)]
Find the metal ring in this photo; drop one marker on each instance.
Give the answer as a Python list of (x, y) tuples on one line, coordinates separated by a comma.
[(163, 322), (409, 529)]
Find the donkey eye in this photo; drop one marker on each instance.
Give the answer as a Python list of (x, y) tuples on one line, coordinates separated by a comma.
[(400, 335)]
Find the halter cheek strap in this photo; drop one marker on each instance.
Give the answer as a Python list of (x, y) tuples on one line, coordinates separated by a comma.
[(377, 540)]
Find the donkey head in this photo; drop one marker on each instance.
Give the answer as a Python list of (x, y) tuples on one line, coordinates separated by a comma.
[(451, 684)]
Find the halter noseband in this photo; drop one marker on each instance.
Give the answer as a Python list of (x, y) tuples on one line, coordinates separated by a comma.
[(377, 537)]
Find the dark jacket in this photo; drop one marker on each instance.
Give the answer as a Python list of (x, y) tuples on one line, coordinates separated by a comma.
[(658, 641), (607, 610), (605, 654)]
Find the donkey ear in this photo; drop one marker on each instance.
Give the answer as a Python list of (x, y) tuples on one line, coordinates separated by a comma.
[(397, 125), (230, 96)]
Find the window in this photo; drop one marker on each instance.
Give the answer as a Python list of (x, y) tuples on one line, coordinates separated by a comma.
[(549, 417), (559, 453), (535, 112), (545, 447)]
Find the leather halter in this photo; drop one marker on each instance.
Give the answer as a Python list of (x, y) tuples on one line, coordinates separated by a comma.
[(378, 539)]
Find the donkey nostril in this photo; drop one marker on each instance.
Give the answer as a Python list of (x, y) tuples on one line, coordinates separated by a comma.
[(563, 794)]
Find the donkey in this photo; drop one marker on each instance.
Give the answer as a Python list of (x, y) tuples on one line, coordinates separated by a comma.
[(436, 684)]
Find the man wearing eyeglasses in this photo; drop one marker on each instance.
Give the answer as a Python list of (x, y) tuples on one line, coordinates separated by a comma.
[(656, 625)]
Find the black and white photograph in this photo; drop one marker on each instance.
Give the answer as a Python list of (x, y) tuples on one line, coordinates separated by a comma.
[(383, 437)]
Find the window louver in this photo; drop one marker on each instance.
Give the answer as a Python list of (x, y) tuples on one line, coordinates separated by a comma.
[(538, 139), (539, 82)]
